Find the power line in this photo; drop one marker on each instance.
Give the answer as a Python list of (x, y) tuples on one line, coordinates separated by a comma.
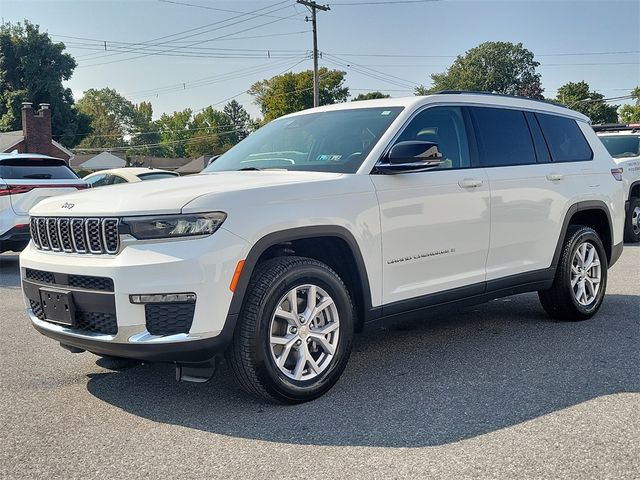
[(206, 7), (384, 2)]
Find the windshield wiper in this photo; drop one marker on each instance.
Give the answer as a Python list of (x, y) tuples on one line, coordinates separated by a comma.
[(246, 169)]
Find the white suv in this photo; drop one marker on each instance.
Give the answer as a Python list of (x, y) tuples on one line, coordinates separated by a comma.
[(25, 179), (623, 143), (325, 222)]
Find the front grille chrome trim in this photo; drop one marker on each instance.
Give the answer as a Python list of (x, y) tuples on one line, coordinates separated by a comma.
[(87, 235)]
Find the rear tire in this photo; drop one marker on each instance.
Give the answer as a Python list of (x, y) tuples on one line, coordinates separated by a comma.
[(581, 277), (632, 222), (285, 350)]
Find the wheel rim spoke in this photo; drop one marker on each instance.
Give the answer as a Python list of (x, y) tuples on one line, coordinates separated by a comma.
[(304, 332), (586, 273)]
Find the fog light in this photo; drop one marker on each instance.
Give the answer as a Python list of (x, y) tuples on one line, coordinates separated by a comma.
[(163, 298)]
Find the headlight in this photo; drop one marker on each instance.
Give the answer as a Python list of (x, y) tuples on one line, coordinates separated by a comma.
[(173, 226)]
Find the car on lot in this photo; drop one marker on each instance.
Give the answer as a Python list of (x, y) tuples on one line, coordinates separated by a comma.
[(326, 222), (25, 179), (623, 143), (115, 176)]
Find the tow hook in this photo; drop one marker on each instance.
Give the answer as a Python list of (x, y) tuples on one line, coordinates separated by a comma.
[(196, 372)]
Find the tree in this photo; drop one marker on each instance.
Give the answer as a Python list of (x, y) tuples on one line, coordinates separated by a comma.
[(501, 67), (174, 133), (212, 132), (370, 96), (292, 92), (112, 118), (576, 95), (32, 69), (145, 131), (631, 113), (239, 118)]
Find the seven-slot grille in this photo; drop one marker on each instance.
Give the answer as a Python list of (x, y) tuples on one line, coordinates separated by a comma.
[(76, 235)]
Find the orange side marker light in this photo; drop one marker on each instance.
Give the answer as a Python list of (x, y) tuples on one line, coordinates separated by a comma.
[(236, 276)]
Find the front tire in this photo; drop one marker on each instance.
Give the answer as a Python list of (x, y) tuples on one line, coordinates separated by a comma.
[(632, 222), (295, 331), (581, 277)]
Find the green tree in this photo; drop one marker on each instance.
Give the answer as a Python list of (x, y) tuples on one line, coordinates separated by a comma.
[(112, 118), (370, 96), (631, 113), (292, 92), (145, 131), (32, 69), (174, 132), (212, 132), (500, 67), (577, 96), (240, 119)]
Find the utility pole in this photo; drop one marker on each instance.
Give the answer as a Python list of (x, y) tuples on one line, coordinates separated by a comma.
[(313, 6)]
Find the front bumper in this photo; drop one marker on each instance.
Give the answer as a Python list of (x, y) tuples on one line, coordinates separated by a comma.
[(202, 266)]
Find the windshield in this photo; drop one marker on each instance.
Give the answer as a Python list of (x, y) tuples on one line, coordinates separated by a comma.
[(620, 146), (337, 141)]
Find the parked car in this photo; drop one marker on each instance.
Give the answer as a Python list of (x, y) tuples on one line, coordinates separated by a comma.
[(623, 143), (326, 222), (25, 179), (126, 175)]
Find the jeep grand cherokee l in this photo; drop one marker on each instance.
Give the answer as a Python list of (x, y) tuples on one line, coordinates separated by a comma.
[(325, 222)]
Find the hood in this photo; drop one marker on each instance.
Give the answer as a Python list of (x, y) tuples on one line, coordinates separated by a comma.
[(167, 195)]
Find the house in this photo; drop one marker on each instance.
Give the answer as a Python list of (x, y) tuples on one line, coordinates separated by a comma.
[(35, 136), (165, 163), (194, 166), (103, 161)]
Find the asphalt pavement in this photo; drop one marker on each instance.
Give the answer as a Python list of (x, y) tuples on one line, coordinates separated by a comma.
[(494, 391)]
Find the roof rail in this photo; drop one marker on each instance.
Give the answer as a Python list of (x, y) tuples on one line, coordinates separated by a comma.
[(617, 127), (520, 97)]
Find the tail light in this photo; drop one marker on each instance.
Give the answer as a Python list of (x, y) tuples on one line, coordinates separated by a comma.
[(617, 173), (16, 189)]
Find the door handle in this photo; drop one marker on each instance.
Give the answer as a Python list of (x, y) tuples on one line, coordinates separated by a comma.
[(554, 177), (470, 183)]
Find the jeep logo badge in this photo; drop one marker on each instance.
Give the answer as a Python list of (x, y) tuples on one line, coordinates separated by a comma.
[(68, 205)]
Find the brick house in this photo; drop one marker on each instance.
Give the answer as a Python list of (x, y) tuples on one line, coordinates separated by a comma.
[(35, 136)]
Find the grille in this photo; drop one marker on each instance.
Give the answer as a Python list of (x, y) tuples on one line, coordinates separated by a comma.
[(78, 281), (169, 319), (96, 322), (76, 235)]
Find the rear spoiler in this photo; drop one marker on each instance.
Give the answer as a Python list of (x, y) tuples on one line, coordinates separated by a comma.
[(617, 127)]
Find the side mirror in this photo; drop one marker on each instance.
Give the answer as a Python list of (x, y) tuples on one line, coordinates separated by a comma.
[(411, 156)]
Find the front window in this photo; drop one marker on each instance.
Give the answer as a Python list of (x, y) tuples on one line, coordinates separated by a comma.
[(622, 146), (337, 141)]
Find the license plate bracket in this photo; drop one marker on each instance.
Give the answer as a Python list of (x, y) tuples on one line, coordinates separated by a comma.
[(58, 306)]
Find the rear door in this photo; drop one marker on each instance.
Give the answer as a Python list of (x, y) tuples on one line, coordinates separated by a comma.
[(29, 180), (529, 193)]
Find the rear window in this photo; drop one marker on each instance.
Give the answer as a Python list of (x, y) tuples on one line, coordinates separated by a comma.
[(564, 138), (35, 169), (156, 176), (621, 146), (503, 136)]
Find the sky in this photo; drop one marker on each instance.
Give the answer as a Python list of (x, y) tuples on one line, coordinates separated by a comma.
[(181, 54)]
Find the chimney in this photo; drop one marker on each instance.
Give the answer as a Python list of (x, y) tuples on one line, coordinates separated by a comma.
[(36, 129)]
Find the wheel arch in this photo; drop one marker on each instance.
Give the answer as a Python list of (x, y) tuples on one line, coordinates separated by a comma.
[(634, 190), (594, 214), (331, 244)]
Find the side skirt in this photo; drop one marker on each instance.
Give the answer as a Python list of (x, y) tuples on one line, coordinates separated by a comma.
[(418, 308)]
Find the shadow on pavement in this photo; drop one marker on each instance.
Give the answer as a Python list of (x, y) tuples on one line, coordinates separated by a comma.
[(456, 376)]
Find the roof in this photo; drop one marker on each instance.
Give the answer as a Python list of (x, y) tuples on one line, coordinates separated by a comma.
[(481, 99), (103, 160), (10, 139), (5, 156), (158, 162), (195, 166)]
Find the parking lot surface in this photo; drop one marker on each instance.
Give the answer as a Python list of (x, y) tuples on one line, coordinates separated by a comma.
[(494, 391)]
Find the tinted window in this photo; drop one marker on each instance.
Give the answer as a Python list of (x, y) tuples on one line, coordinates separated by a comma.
[(117, 179), (98, 180), (35, 169), (620, 146), (542, 151), (444, 126), (332, 141), (503, 137), (566, 141), (156, 176)]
